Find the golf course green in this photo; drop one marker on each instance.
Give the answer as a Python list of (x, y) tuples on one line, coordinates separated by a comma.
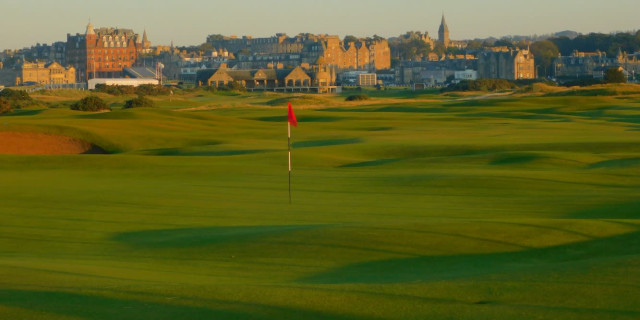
[(408, 205)]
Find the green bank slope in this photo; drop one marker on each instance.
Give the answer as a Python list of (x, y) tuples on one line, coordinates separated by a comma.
[(404, 207)]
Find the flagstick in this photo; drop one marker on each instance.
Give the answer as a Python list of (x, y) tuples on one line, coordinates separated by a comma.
[(289, 147)]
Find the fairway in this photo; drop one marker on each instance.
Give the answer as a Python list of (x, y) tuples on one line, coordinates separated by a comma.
[(408, 205)]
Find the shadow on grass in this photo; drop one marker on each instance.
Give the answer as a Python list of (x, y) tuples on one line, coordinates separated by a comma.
[(493, 102), (325, 143), (98, 307), (21, 113), (112, 115), (201, 153), (511, 115), (372, 163), (515, 158), (380, 129), (194, 237), (616, 163), (95, 150), (283, 119), (620, 210), (438, 268), (393, 108)]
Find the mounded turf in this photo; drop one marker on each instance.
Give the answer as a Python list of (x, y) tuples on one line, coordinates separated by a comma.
[(405, 206)]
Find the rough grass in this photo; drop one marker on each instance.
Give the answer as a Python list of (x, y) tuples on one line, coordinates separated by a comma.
[(518, 208)]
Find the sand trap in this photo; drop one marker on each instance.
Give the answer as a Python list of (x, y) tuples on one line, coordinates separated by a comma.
[(40, 143)]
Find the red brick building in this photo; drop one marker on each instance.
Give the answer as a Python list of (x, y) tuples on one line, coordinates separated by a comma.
[(102, 53)]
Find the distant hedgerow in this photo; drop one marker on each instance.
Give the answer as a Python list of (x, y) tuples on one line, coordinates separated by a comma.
[(145, 89), (481, 85)]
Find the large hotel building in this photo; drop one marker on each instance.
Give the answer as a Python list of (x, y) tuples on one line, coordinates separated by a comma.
[(103, 52)]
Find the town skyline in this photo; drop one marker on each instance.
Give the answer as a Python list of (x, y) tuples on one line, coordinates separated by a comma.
[(191, 21)]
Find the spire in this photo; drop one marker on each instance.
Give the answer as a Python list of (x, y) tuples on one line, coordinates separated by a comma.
[(443, 33), (144, 36), (89, 29), (443, 25)]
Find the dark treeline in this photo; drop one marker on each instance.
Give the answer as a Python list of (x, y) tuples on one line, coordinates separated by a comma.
[(592, 42)]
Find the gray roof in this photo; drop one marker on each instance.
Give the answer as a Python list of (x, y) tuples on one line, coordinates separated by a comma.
[(140, 72)]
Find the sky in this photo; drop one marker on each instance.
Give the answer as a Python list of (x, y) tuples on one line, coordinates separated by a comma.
[(188, 22)]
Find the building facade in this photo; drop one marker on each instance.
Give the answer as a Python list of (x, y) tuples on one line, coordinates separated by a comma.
[(49, 53), (103, 52), (590, 64), (46, 73), (503, 63), (363, 54), (320, 78), (434, 73)]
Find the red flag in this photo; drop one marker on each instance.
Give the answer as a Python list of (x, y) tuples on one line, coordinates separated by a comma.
[(292, 117)]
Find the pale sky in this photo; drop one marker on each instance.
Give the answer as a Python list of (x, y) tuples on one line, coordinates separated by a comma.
[(188, 22)]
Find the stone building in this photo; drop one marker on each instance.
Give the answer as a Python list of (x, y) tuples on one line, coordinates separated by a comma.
[(580, 64), (320, 78), (434, 73), (360, 55), (44, 52), (280, 43), (509, 64), (369, 54), (46, 73), (103, 53), (590, 64), (630, 63)]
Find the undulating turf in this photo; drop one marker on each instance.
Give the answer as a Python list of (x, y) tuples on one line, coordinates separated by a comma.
[(405, 206)]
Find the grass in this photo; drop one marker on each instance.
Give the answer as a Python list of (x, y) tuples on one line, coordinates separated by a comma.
[(426, 208)]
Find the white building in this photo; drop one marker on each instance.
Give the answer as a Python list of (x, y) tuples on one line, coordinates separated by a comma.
[(367, 79), (121, 82), (466, 75)]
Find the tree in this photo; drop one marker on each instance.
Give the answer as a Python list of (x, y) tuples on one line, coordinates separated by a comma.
[(453, 50), (215, 37), (504, 43), (544, 52), (350, 38), (522, 44), (439, 49), (614, 75), (474, 45), (206, 47), (408, 46), (236, 86), (90, 103), (609, 43), (377, 38)]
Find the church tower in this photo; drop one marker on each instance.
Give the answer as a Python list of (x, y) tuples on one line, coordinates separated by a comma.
[(443, 33), (146, 44)]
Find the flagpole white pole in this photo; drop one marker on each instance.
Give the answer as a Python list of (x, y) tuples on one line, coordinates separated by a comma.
[(289, 148)]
